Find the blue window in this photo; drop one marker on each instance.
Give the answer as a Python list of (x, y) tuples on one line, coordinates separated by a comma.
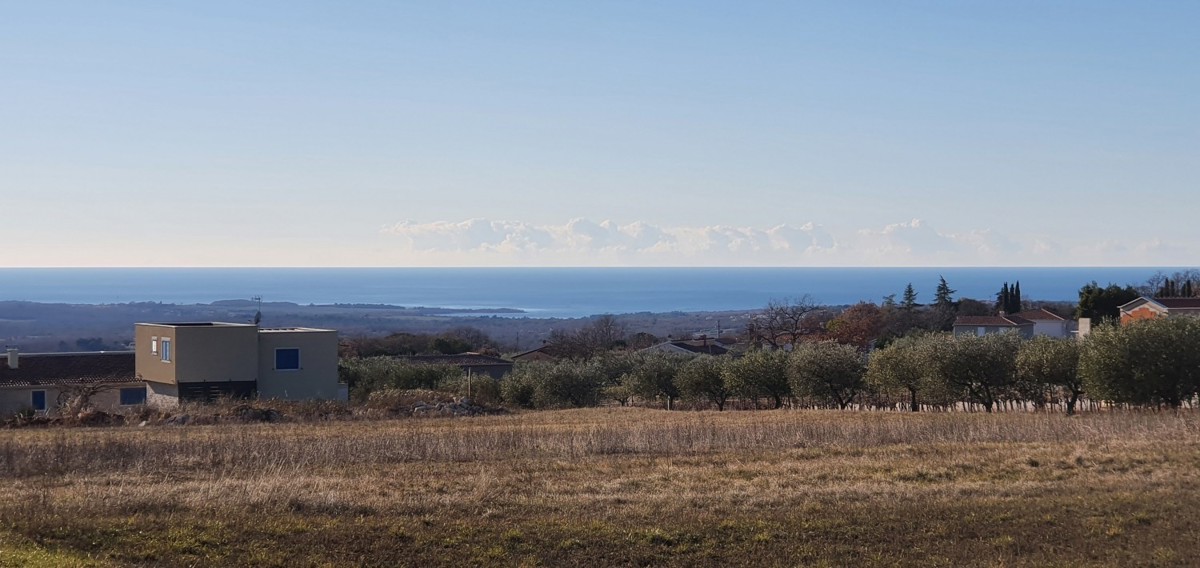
[(132, 396), (38, 400), (166, 350), (287, 359)]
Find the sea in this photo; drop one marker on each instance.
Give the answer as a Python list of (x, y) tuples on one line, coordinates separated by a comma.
[(545, 292)]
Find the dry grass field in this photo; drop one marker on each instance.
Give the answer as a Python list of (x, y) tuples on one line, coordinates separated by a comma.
[(612, 487)]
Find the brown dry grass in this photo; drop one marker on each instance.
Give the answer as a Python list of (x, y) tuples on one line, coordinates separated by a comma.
[(611, 487)]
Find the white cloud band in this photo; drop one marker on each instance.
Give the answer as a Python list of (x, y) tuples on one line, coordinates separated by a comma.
[(580, 242)]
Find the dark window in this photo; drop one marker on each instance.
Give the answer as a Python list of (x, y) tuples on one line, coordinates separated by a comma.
[(132, 396), (287, 359), (38, 400)]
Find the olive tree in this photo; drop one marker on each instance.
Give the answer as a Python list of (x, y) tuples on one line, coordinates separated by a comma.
[(1049, 366), (654, 376), (1145, 362), (551, 385), (760, 373), (903, 366), (980, 368), (827, 370), (703, 378)]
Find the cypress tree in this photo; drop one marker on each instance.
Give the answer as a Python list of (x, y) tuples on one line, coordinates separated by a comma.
[(1002, 299), (1015, 307), (1187, 289)]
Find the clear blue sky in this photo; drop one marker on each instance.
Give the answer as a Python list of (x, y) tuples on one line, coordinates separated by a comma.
[(542, 133)]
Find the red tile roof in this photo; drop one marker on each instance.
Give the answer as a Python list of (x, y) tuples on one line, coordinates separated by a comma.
[(36, 369)]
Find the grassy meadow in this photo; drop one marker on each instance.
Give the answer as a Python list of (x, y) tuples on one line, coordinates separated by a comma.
[(612, 487)]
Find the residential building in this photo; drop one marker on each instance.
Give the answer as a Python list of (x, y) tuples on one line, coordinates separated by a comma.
[(209, 360), (471, 363), (539, 354), (1047, 323), (1149, 308), (39, 381), (689, 347), (983, 325)]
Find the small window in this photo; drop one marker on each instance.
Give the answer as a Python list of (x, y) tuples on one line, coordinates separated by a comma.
[(287, 359), (38, 400), (154, 346), (133, 396), (166, 350)]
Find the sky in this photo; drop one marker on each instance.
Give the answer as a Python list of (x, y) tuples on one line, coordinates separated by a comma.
[(609, 133)]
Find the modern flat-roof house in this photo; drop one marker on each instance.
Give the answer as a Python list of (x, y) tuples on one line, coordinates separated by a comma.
[(1150, 308), (983, 325), (205, 361), (38, 381)]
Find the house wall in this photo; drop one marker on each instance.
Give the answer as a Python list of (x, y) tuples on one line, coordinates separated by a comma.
[(494, 371), (1025, 331), (1140, 313), (162, 395), (219, 353), (17, 399), (317, 377), (149, 364), (1050, 328)]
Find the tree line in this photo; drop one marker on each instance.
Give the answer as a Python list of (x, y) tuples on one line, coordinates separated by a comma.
[(1152, 363)]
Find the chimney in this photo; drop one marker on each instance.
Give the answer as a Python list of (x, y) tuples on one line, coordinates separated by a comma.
[(14, 357)]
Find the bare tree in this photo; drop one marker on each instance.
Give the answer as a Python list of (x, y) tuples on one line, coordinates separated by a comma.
[(602, 334), (783, 322), (75, 399)]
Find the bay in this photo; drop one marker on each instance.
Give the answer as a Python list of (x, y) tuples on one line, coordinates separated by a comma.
[(544, 292)]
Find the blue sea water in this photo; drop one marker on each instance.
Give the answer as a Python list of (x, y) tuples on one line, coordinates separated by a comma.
[(542, 292)]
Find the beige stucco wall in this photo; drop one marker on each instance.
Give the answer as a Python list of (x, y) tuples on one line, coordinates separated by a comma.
[(16, 399), (149, 365), (317, 377), (216, 353), (201, 353)]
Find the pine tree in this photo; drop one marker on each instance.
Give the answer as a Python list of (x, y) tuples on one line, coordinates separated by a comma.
[(909, 302), (945, 296)]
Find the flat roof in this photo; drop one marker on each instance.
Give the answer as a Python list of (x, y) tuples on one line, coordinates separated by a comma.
[(292, 330), (199, 324)]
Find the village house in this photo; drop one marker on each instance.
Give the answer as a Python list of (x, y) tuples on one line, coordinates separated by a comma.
[(1047, 323), (689, 347), (538, 354), (204, 361), (1150, 308), (40, 382), (983, 325), (470, 363)]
